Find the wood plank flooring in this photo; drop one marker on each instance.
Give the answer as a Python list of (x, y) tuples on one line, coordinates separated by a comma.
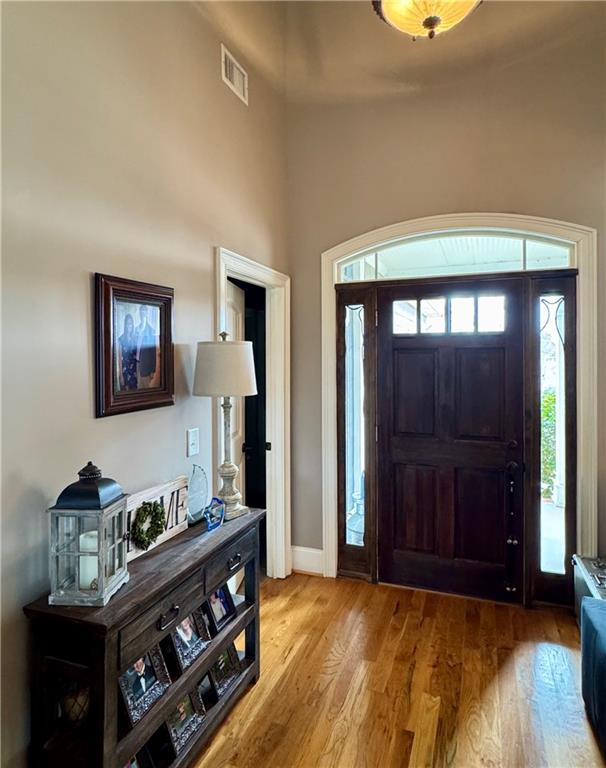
[(361, 675)]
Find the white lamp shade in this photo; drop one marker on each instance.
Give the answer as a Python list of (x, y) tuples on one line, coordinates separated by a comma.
[(225, 368)]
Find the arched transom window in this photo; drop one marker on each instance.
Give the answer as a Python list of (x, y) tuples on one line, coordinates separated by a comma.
[(456, 253)]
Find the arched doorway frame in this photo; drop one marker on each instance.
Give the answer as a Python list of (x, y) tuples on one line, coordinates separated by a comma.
[(584, 248)]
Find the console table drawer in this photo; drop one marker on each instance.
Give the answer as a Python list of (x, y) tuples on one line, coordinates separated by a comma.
[(229, 560), (147, 630)]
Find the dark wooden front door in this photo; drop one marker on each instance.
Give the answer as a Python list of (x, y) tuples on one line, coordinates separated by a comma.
[(451, 435)]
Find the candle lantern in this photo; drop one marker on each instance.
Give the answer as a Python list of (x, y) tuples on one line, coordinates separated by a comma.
[(88, 535)]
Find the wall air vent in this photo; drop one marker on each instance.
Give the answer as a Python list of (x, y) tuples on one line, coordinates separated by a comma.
[(234, 75)]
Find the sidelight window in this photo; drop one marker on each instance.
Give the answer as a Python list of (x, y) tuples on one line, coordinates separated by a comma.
[(553, 433), (355, 502)]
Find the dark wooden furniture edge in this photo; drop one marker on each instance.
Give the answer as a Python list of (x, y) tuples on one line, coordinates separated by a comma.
[(164, 559)]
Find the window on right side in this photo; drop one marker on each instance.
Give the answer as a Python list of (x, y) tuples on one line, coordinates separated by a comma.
[(553, 433)]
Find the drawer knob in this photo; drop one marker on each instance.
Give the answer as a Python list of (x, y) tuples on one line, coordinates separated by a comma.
[(234, 561), (166, 619)]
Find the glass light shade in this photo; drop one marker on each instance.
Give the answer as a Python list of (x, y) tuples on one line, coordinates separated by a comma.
[(424, 18)]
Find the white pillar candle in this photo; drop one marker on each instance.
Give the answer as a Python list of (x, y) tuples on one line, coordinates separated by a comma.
[(88, 563)]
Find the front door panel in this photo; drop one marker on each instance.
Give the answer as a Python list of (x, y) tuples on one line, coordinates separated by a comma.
[(450, 420)]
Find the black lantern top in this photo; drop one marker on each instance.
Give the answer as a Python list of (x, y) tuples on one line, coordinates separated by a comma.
[(90, 492)]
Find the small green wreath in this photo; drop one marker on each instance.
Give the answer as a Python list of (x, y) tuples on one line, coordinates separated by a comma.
[(152, 513)]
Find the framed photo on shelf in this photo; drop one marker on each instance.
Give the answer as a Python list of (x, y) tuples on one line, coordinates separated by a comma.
[(190, 638), (133, 345), (220, 608), (185, 721), (226, 669), (207, 693), (140, 760), (143, 683)]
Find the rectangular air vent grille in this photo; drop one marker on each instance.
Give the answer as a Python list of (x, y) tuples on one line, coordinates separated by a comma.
[(234, 75)]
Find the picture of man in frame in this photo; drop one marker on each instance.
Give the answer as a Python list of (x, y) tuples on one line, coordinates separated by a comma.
[(147, 348), (141, 677)]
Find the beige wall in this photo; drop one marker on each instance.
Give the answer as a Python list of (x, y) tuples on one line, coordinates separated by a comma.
[(124, 153), (523, 135)]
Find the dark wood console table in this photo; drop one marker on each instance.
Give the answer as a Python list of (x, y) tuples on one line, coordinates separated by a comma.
[(79, 716)]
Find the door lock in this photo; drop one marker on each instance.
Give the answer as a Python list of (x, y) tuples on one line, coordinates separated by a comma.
[(512, 541)]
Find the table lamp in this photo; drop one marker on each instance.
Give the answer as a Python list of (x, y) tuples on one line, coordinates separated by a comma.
[(226, 369)]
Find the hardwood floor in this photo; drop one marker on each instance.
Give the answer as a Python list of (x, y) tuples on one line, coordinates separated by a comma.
[(354, 674)]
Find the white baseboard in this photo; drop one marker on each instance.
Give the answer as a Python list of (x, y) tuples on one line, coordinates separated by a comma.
[(308, 560)]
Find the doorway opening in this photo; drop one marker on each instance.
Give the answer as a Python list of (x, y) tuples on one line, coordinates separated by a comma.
[(246, 321), (232, 271)]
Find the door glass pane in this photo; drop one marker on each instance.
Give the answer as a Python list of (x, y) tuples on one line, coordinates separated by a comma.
[(433, 315), (405, 316), (355, 506), (553, 434), (491, 314), (462, 314)]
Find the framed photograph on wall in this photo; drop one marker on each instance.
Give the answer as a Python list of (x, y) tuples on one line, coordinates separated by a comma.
[(143, 683), (133, 345)]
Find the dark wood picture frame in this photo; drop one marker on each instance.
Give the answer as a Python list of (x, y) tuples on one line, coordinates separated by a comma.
[(110, 399), (227, 602), (206, 692), (136, 707), (187, 653), (226, 669), (180, 737)]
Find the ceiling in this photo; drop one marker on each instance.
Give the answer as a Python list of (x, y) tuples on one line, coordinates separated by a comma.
[(341, 51)]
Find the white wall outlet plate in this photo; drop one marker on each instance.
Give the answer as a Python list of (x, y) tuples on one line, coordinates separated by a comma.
[(193, 442)]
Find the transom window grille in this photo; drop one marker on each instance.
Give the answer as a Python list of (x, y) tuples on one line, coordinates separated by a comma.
[(456, 253)]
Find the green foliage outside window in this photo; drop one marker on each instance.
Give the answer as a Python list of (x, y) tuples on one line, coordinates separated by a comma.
[(548, 443)]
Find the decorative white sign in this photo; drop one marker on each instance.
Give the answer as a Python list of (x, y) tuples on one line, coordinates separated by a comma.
[(173, 497)]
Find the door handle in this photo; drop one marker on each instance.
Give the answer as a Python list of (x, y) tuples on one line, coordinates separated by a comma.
[(512, 468), (164, 621)]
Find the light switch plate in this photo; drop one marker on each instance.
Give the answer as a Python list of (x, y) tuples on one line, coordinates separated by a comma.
[(193, 442)]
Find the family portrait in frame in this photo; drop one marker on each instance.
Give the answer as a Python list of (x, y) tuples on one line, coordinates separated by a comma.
[(226, 669), (133, 344), (220, 608), (190, 638), (185, 720), (143, 683)]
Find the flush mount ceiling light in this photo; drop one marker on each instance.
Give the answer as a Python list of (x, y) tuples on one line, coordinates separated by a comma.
[(424, 18)]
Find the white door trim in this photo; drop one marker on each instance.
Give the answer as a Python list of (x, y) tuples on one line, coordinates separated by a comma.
[(584, 242), (277, 313)]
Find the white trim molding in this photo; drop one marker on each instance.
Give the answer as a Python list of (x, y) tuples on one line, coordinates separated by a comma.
[(584, 244), (308, 560), (277, 324)]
